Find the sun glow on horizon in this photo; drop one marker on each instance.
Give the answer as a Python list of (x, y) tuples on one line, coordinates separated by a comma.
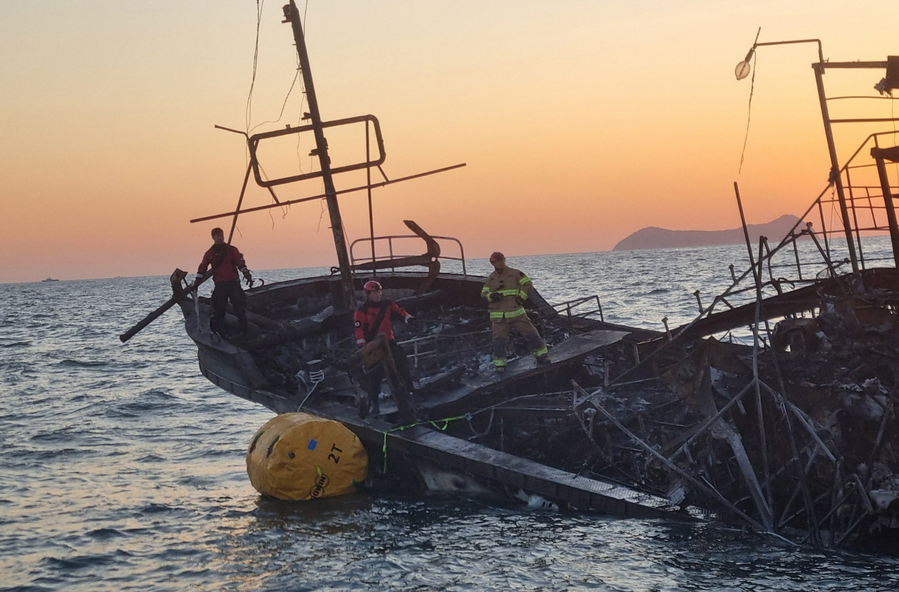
[(580, 123)]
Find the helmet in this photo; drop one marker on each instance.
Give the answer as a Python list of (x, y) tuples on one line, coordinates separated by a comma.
[(371, 286), (496, 257)]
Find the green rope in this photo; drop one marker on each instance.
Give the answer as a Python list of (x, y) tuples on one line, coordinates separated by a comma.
[(445, 421)]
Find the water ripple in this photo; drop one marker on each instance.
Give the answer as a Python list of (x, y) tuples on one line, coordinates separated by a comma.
[(123, 469)]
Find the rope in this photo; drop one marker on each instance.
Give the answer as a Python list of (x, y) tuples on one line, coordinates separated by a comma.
[(296, 76), (445, 421), (433, 422), (748, 113), (477, 434), (249, 108)]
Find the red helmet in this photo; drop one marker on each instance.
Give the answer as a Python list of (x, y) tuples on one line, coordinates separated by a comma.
[(496, 257), (372, 286)]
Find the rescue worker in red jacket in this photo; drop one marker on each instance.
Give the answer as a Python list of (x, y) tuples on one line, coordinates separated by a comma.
[(376, 316), (506, 290), (226, 261)]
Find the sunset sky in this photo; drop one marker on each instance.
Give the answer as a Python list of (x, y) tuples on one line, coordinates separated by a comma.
[(580, 122)]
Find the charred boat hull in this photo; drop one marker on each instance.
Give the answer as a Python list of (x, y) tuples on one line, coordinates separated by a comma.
[(430, 456)]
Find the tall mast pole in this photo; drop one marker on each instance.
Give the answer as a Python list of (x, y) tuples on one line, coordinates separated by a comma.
[(347, 300), (835, 176)]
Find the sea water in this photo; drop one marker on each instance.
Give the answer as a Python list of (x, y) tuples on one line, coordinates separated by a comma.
[(123, 469)]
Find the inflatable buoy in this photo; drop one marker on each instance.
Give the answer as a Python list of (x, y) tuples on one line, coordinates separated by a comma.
[(297, 456)]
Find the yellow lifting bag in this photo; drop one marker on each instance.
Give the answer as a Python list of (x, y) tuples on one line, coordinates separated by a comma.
[(297, 456)]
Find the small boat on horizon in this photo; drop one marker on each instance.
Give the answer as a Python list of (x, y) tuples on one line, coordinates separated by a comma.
[(50, 279)]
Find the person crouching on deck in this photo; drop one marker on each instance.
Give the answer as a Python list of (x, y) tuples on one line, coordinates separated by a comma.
[(372, 318), (505, 291), (226, 261)]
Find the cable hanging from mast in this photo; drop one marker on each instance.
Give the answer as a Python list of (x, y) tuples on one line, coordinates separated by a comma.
[(249, 115), (250, 128), (754, 57), (249, 109), (748, 112)]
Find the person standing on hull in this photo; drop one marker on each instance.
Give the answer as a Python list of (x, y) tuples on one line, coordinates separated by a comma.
[(371, 319), (226, 261), (505, 291)]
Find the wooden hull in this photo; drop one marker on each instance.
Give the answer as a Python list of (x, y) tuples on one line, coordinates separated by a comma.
[(419, 454)]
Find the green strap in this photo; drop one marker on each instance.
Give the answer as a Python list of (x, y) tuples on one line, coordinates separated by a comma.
[(445, 421)]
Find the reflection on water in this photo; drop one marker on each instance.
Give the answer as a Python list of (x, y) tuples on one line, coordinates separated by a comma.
[(123, 469)]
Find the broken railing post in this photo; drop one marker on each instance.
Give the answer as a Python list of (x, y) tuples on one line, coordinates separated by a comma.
[(781, 402), (785, 517), (804, 423), (796, 253), (763, 440), (694, 481), (757, 273), (827, 260), (868, 510), (685, 446)]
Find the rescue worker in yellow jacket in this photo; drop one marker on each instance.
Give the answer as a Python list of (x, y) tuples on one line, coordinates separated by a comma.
[(506, 290)]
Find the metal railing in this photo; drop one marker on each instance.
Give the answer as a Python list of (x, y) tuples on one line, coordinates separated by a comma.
[(567, 309), (393, 254)]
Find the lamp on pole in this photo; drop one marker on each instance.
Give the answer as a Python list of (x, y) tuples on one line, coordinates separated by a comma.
[(742, 71)]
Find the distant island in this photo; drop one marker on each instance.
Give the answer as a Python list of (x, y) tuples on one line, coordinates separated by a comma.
[(653, 237)]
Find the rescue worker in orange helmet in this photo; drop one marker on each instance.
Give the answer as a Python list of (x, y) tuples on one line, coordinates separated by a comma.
[(505, 291), (372, 318)]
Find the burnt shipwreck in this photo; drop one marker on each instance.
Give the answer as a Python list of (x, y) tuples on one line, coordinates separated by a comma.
[(775, 409)]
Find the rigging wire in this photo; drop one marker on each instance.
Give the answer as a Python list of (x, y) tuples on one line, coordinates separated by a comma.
[(283, 105), (249, 109), (260, 7), (285, 208), (296, 76), (748, 113), (321, 215), (250, 128)]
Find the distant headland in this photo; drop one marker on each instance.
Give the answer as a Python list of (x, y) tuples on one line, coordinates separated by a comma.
[(653, 237)]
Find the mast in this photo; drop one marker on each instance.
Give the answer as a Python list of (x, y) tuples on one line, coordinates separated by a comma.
[(347, 298)]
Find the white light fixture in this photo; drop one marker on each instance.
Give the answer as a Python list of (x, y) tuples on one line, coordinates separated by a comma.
[(743, 68)]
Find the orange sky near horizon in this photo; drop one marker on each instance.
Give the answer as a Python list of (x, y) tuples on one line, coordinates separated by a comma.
[(580, 122)]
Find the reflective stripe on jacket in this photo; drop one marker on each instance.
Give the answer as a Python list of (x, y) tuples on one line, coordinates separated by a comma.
[(513, 286)]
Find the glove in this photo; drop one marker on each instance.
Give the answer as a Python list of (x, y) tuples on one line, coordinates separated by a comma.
[(408, 317), (248, 276), (495, 296)]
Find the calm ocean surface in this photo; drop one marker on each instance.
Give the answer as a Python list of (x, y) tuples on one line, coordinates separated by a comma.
[(123, 469)]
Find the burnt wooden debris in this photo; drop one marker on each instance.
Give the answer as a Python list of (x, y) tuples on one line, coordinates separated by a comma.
[(775, 409), (794, 435)]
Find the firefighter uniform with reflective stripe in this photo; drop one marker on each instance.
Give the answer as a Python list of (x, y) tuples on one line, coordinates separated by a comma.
[(506, 291)]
